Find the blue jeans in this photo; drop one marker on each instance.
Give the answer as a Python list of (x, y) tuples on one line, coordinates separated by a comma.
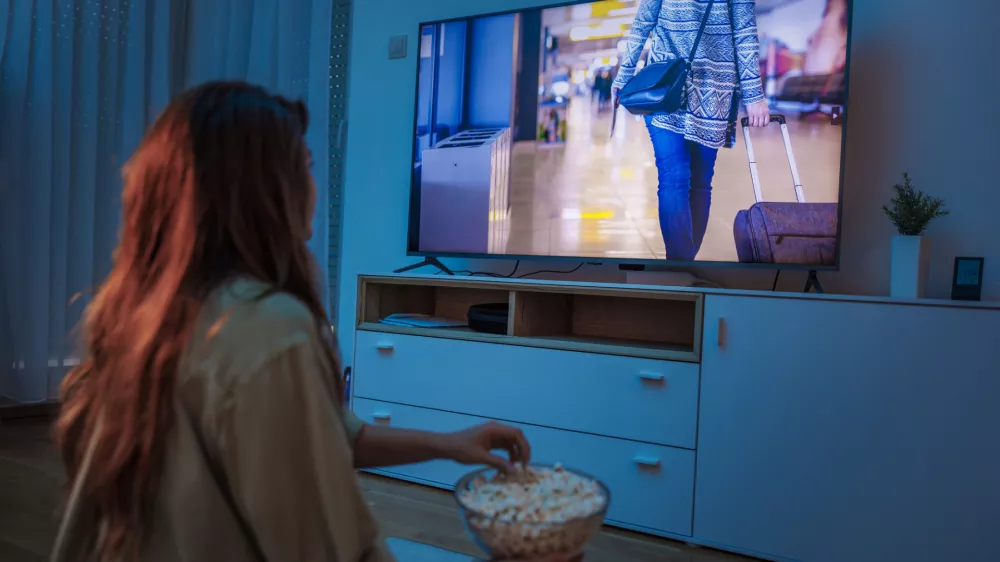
[(684, 171)]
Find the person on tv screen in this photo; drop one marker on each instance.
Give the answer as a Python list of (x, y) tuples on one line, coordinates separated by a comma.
[(725, 70), (206, 420)]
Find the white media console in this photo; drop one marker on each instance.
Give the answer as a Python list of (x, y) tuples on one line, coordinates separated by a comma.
[(785, 426)]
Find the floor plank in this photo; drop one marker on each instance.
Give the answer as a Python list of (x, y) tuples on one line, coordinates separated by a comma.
[(30, 481), (31, 478)]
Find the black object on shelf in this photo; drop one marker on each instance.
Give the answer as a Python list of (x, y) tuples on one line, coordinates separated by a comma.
[(489, 318)]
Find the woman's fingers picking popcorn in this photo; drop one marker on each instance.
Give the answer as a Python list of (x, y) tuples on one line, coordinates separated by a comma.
[(512, 440), (476, 445)]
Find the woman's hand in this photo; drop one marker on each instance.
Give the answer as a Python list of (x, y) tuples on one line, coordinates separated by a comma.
[(476, 445), (759, 114)]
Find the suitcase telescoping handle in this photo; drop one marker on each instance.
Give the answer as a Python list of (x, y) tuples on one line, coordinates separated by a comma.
[(758, 195)]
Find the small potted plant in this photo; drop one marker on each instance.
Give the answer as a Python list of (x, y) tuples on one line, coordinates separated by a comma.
[(911, 211)]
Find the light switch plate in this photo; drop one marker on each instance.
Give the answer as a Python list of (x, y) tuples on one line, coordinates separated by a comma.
[(397, 47)]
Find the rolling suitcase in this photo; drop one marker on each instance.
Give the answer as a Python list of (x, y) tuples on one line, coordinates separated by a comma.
[(797, 233)]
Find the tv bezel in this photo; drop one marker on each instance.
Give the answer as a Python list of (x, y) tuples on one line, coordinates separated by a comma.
[(413, 205)]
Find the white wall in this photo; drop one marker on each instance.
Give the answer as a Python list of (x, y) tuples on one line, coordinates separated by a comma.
[(923, 83)]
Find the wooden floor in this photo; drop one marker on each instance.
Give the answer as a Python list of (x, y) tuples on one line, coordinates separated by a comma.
[(31, 476)]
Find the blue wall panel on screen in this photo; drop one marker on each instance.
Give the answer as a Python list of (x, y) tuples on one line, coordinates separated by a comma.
[(491, 71), (425, 87), (451, 76)]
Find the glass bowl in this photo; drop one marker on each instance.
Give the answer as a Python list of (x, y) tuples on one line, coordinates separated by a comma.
[(506, 539)]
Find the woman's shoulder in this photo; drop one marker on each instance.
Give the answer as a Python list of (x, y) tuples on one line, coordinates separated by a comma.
[(249, 304), (245, 324)]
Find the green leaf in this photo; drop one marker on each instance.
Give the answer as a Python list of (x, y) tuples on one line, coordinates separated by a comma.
[(911, 210)]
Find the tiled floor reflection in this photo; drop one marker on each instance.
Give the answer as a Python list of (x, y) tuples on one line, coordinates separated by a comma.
[(596, 196)]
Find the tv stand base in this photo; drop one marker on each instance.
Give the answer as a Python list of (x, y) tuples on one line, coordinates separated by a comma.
[(812, 283), (427, 261)]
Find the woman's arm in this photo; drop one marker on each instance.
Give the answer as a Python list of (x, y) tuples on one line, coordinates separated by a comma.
[(747, 44), (644, 22), (378, 446)]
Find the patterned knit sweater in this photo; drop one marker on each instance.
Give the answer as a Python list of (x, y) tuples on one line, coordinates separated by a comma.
[(726, 64)]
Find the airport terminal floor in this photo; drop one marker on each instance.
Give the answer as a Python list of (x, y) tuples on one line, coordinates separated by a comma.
[(596, 195)]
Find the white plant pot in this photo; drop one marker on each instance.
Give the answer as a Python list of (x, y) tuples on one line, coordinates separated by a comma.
[(910, 266)]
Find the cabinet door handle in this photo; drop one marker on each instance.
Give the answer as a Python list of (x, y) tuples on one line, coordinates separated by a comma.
[(382, 416), (720, 332), (384, 346), (652, 376), (646, 461)]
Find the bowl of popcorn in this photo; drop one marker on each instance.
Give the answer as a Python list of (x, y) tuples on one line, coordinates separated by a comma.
[(536, 510)]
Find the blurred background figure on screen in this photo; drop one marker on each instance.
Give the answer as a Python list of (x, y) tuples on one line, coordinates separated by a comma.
[(606, 81), (724, 70), (601, 81), (595, 88)]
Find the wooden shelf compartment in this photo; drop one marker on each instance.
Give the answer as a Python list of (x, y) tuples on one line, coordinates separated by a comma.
[(382, 298), (618, 321), (649, 324)]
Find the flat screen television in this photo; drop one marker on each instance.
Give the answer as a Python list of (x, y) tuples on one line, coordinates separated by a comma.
[(515, 155)]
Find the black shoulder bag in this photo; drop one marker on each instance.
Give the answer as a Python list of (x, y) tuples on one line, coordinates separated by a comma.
[(661, 87)]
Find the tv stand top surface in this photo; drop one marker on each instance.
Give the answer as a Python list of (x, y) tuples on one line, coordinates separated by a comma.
[(568, 284)]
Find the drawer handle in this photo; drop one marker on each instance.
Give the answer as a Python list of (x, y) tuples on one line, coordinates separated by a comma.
[(651, 376), (647, 461), (382, 416), (384, 346)]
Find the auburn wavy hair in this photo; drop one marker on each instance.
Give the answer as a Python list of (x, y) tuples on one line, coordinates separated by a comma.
[(220, 187)]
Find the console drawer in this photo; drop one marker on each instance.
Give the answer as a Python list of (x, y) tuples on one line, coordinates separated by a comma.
[(642, 399), (652, 487)]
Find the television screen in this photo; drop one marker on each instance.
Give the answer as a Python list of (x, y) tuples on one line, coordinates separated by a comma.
[(635, 131)]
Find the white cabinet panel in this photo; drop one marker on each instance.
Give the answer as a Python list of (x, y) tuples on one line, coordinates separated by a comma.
[(840, 431), (651, 486), (641, 399)]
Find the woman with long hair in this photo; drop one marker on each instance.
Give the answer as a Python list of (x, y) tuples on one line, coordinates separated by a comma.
[(205, 421), (686, 143)]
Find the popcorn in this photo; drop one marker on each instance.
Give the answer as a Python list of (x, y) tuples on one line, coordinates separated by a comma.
[(534, 511)]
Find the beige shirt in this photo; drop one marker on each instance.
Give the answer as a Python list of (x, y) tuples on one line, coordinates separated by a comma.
[(259, 463)]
